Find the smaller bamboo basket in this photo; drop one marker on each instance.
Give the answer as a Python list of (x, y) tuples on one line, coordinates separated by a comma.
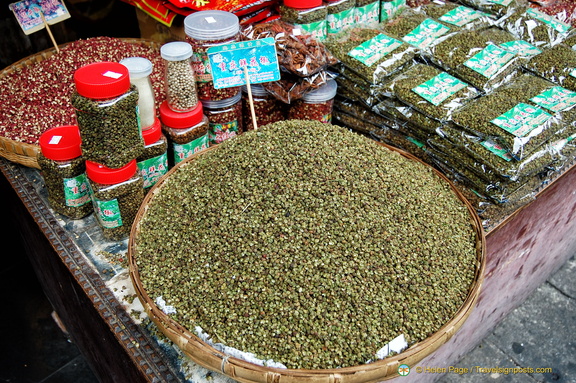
[(242, 371), (24, 153)]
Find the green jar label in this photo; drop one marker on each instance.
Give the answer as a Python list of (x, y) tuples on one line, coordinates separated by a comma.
[(555, 99), (497, 150), (549, 20), (489, 61), (425, 33), (461, 16), (218, 133), (373, 50), (368, 14), (521, 119), (108, 213), (317, 29), (152, 169), (337, 22), (76, 191), (439, 88), (391, 9), (183, 151), (521, 48)]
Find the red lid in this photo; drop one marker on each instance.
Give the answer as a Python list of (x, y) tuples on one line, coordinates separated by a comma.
[(102, 80), (302, 4), (61, 143), (178, 120), (107, 176), (153, 133)]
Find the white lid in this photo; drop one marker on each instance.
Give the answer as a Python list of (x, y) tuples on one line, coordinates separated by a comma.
[(323, 93), (212, 104), (211, 25), (256, 89), (138, 67), (176, 51)]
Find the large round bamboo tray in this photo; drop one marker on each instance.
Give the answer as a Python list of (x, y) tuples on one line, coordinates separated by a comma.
[(24, 153), (205, 355)]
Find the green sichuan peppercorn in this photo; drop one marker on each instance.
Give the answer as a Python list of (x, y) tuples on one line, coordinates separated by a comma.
[(416, 28), (557, 64)]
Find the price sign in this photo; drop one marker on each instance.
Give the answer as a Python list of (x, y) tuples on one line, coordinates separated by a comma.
[(34, 15)]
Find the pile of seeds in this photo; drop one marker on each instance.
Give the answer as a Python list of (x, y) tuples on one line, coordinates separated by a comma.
[(308, 244)]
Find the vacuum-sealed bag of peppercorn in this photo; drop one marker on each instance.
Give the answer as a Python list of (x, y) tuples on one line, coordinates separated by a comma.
[(458, 16), (495, 7), (557, 64)]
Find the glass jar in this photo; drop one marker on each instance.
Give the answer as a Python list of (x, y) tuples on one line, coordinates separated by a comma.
[(187, 132), (179, 78), (139, 69), (106, 107), (267, 108), (308, 15), (316, 104), (205, 29), (116, 195), (153, 162), (225, 118), (62, 166), (367, 13), (340, 15)]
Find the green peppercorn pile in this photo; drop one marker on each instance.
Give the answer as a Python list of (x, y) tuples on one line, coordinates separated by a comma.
[(308, 244)]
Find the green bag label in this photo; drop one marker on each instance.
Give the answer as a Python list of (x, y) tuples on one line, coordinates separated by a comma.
[(501, 2), (521, 48), (152, 169), (337, 22), (439, 88), (373, 50), (549, 20), (461, 16), (108, 213), (183, 151), (368, 14), (415, 142), (218, 133), (317, 29), (489, 60), (76, 191), (390, 9), (425, 33), (521, 119), (555, 99), (497, 150)]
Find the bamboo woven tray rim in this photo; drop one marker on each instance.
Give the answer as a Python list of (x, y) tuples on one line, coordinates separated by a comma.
[(24, 153), (207, 356)]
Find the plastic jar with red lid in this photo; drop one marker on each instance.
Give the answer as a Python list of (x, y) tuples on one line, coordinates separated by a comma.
[(116, 195), (64, 172), (106, 107), (153, 162)]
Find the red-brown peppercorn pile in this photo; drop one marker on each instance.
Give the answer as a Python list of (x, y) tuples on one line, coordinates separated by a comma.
[(37, 97)]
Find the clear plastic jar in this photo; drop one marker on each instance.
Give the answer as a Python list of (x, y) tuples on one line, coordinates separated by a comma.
[(106, 107), (153, 162), (62, 166), (179, 79), (340, 15), (225, 118), (116, 195), (308, 15), (187, 132), (139, 69), (267, 108), (205, 29), (367, 13), (315, 105)]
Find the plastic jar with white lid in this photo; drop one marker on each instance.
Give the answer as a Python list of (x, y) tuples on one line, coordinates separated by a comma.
[(140, 69), (307, 15), (205, 29), (116, 195), (187, 132), (225, 118), (179, 79), (267, 108), (316, 104), (153, 162), (64, 171), (106, 107)]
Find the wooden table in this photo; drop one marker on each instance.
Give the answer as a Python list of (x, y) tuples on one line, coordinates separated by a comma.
[(522, 252)]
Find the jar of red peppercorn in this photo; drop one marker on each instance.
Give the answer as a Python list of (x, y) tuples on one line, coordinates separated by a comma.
[(267, 108), (205, 29), (316, 104), (153, 162), (106, 107), (186, 132), (116, 196), (225, 118), (64, 172)]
